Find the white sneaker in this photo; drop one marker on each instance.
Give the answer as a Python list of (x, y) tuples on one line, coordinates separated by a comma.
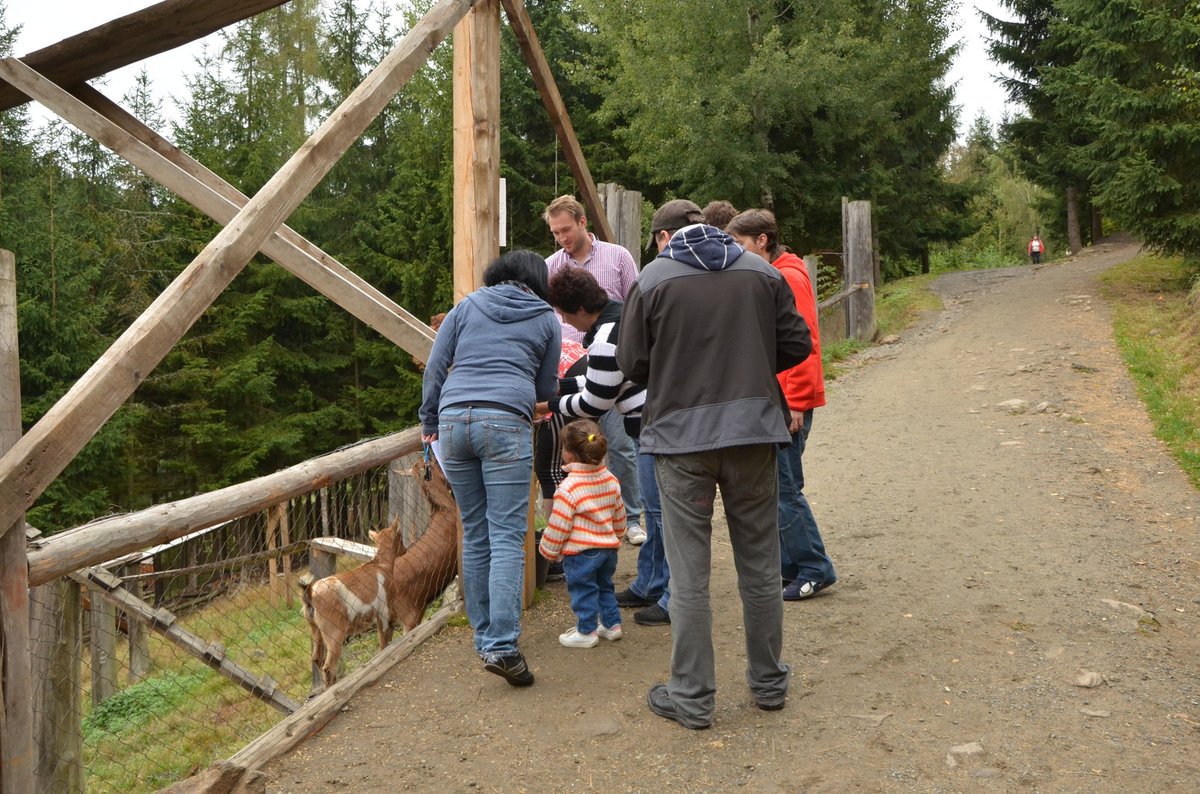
[(614, 633), (573, 639), (635, 534)]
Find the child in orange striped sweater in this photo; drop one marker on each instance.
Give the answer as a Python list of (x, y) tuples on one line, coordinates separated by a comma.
[(585, 531)]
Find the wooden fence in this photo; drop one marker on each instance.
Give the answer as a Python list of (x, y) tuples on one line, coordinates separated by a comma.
[(94, 615)]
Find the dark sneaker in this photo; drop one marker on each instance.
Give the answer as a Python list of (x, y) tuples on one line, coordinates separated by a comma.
[(803, 588), (659, 701), (653, 615), (629, 599), (512, 669), (555, 573)]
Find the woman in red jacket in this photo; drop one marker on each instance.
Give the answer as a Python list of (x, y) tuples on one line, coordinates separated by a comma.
[(806, 569)]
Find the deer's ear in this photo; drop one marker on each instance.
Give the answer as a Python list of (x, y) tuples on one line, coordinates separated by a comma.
[(374, 536)]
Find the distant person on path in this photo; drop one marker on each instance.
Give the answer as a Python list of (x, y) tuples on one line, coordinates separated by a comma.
[(495, 355), (1035, 248), (615, 271), (806, 568), (706, 328), (584, 531), (718, 213)]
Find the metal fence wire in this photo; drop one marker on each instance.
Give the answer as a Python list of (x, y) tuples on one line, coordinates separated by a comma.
[(152, 667)]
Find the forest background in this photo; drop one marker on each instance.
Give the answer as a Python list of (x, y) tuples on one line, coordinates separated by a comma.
[(785, 105)]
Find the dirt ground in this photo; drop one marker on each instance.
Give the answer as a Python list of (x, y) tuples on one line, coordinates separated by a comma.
[(992, 555)]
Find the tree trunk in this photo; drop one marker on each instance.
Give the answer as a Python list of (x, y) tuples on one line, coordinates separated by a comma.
[(1074, 238), (1097, 224)]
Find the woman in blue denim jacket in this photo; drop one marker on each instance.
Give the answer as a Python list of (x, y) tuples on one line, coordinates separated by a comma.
[(495, 356)]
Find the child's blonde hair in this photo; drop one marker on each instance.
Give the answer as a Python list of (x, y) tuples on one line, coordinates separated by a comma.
[(584, 440)]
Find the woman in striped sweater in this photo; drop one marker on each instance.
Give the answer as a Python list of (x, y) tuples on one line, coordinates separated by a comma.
[(585, 532)]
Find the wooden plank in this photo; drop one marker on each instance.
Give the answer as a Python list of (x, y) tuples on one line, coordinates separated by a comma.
[(272, 563), (102, 622), (314, 714), (139, 637), (131, 38), (33, 463), (476, 145), (340, 547), (860, 268), (543, 78), (58, 648), (111, 537), (16, 675), (285, 540), (108, 588), (530, 585)]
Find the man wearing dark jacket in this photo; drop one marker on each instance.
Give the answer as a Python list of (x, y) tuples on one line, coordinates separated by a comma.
[(706, 328)]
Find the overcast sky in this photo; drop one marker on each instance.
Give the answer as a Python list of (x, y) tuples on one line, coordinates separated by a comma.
[(45, 22)]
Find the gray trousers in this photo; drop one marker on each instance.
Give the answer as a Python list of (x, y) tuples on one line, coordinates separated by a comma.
[(749, 491)]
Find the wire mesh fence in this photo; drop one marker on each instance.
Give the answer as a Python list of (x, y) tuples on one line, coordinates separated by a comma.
[(153, 666)]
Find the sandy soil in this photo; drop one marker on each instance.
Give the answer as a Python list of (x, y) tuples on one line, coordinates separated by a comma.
[(991, 556)]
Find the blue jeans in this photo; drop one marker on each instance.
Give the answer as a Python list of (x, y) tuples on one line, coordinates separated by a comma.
[(622, 462), (590, 585), (801, 550), (487, 455), (652, 571)]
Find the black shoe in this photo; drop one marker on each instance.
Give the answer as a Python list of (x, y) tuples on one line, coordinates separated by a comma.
[(803, 588), (659, 701), (555, 572), (512, 669), (629, 599), (653, 615), (771, 705)]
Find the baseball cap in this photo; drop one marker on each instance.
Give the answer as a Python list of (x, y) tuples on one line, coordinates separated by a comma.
[(675, 214)]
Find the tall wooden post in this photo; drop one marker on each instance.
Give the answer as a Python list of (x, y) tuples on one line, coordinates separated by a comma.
[(860, 267), (624, 210), (58, 647), (103, 621), (16, 677), (476, 145)]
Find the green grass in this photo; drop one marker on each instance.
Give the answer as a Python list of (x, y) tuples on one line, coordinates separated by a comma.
[(1156, 319)]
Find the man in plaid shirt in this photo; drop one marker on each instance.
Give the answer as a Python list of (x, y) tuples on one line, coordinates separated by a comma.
[(616, 272)]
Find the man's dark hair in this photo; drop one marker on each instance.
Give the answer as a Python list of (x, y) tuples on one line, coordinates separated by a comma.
[(519, 265), (752, 223), (719, 213), (573, 289)]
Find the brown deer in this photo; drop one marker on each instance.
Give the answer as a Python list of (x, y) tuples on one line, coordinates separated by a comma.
[(345, 604), (431, 561)]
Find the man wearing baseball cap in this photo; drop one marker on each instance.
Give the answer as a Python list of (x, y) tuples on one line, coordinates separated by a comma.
[(706, 327)]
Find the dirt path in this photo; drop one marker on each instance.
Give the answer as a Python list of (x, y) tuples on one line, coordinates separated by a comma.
[(987, 556)]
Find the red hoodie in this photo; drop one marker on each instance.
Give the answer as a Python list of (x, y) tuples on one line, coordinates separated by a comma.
[(804, 384)]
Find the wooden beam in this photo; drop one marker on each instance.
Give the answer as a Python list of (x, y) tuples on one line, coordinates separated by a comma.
[(131, 38), (30, 466), (109, 124), (16, 675), (543, 78), (57, 612), (476, 145), (109, 538)]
